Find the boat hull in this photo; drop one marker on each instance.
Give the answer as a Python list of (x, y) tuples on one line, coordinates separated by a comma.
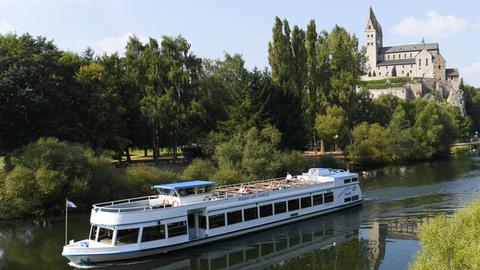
[(95, 258)]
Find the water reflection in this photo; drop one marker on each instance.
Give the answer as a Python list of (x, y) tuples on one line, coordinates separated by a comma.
[(380, 235)]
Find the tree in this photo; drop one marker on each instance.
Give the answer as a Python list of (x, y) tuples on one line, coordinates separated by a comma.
[(402, 143), (34, 91), (346, 68), (40, 175), (370, 145), (331, 125), (435, 130), (280, 55), (101, 110), (383, 108)]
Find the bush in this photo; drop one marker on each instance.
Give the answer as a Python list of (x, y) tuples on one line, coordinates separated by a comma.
[(199, 169), (370, 145), (293, 163), (450, 243), (39, 176), (143, 177), (227, 173)]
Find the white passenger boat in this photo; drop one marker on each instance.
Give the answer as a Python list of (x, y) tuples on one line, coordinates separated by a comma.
[(192, 213)]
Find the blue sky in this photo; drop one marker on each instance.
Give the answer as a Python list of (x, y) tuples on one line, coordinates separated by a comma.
[(214, 27)]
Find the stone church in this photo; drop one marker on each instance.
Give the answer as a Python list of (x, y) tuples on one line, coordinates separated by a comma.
[(413, 60)]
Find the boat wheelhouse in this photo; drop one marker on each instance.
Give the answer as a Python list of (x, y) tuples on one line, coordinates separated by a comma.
[(197, 212)]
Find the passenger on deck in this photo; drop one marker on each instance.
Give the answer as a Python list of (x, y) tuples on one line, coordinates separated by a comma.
[(289, 177), (244, 189)]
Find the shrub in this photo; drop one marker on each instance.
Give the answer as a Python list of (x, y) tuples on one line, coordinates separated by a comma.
[(39, 176), (293, 163), (450, 242), (227, 173), (199, 169), (143, 177)]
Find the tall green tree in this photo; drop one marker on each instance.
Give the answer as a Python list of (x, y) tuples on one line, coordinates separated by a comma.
[(330, 126)]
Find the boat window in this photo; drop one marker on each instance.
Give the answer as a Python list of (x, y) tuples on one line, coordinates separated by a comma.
[(172, 193), (355, 179), (163, 191), (354, 198), (328, 197), (204, 189), (128, 236), (348, 199), (105, 235), (306, 202), (317, 199), (280, 207), (234, 217), (250, 213), (93, 233), (216, 221), (293, 205), (266, 210), (153, 233), (346, 181), (177, 228), (202, 220), (186, 191)]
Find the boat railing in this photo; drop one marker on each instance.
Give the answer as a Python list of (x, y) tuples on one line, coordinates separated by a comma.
[(112, 206)]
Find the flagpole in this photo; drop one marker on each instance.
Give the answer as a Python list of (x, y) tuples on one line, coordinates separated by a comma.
[(66, 220)]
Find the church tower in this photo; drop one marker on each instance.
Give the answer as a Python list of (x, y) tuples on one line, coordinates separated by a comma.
[(374, 41)]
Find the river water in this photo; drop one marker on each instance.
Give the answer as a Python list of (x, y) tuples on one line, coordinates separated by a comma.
[(381, 234)]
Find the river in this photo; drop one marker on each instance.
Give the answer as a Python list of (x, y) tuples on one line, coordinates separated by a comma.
[(381, 234)]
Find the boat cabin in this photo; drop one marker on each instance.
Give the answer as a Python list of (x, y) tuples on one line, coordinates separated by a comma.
[(182, 193)]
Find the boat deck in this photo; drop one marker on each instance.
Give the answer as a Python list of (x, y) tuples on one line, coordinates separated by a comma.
[(219, 193)]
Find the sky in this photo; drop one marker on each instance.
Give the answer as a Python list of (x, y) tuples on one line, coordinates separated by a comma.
[(214, 27)]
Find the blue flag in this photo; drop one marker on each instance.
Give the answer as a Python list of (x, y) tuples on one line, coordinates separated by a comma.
[(71, 204)]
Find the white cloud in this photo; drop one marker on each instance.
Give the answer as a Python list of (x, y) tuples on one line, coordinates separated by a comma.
[(471, 74), (434, 26), (114, 44), (5, 27)]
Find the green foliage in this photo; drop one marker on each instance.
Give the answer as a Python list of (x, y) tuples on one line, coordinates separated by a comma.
[(435, 129), (39, 176), (388, 83), (143, 177), (402, 143), (417, 131), (450, 242), (331, 126), (370, 144), (199, 169), (293, 163), (383, 108)]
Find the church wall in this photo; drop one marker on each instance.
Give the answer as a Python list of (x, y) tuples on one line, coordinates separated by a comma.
[(424, 64)]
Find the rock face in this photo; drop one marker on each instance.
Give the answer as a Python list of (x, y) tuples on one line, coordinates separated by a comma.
[(427, 88)]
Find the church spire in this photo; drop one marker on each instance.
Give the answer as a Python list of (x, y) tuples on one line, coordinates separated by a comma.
[(373, 20)]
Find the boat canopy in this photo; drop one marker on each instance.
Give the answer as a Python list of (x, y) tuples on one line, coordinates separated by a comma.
[(183, 185)]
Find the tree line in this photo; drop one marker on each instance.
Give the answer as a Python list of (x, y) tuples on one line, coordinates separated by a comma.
[(161, 95)]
